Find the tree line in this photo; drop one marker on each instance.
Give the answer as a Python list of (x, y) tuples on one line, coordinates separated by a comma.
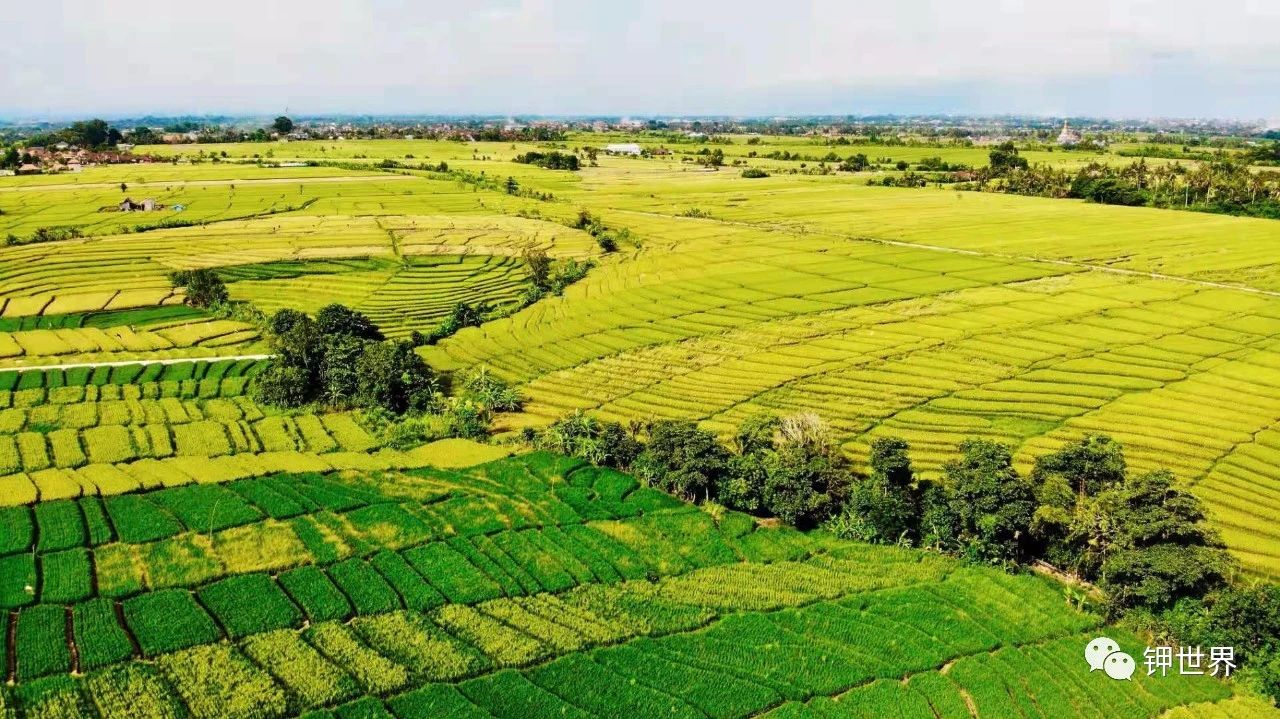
[(1225, 185), (1139, 539)]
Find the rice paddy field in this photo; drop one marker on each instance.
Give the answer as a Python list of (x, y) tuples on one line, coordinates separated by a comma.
[(171, 548), (525, 587)]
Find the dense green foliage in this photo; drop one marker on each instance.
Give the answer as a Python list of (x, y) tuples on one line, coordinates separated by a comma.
[(204, 287), (339, 359), (553, 160)]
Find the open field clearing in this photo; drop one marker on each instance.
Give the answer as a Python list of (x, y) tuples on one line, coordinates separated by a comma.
[(166, 172), (94, 210), (1184, 244), (533, 586)]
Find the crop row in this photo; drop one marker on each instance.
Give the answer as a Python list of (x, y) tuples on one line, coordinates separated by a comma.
[(511, 494), (112, 479), (438, 577), (32, 452), (513, 561), (91, 340), (714, 279), (398, 299), (99, 377), (648, 664)]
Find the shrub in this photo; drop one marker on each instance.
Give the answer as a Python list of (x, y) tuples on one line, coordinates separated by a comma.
[(490, 392), (754, 172)]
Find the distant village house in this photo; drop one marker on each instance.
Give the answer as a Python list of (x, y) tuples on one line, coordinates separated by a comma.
[(147, 205)]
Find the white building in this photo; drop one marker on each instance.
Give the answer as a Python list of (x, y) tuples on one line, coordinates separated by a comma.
[(623, 148)]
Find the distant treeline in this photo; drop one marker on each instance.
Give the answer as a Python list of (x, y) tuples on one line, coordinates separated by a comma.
[(1224, 185)]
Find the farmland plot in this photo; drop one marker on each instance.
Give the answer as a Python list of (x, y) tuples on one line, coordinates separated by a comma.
[(396, 601)]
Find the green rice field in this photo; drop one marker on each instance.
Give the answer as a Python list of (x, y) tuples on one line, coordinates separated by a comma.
[(534, 586)]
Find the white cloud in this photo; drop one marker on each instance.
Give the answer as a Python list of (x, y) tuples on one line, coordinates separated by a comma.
[(81, 56)]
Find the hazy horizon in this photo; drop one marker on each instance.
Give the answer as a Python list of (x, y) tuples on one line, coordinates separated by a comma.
[(1090, 58)]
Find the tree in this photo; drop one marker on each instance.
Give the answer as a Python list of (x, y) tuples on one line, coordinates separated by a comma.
[(10, 159), (1080, 469), (338, 379), (538, 264), (856, 163), (204, 287), (990, 503), (282, 125), (142, 135), (682, 459), (806, 476), (392, 376), (581, 435), (461, 316), (489, 391), (336, 319), (512, 186), (90, 133), (1161, 551), (1004, 157), (1069, 527), (885, 506), (283, 385), (295, 339), (743, 487)]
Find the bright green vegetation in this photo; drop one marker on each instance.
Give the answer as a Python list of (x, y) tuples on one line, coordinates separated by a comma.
[(532, 586)]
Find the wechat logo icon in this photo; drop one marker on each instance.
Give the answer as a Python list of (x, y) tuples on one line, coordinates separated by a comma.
[(1103, 653)]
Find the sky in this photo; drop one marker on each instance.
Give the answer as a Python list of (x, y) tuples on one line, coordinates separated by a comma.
[(1113, 58)]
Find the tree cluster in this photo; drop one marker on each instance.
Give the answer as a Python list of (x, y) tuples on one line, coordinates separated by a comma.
[(89, 134), (461, 315), (1139, 537), (1244, 617), (1223, 186), (547, 276), (340, 359), (553, 160), (606, 237), (788, 468)]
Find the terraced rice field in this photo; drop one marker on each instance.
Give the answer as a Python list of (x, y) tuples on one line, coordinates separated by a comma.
[(399, 297), (528, 587), (928, 316)]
